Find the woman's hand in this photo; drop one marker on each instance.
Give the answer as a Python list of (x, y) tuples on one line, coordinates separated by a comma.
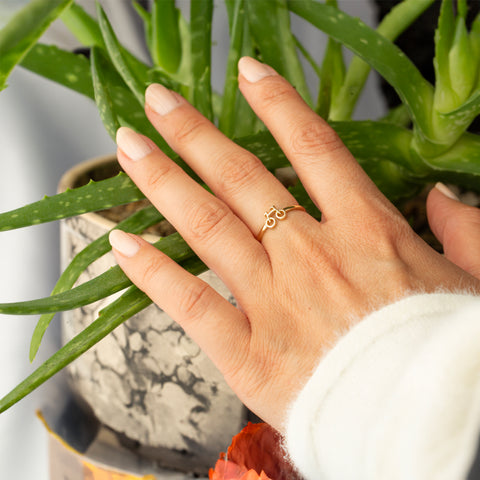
[(305, 282)]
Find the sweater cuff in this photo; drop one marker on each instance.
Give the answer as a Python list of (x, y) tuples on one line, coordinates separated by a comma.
[(344, 408)]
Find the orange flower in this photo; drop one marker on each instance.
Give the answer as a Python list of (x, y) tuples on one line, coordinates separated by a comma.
[(257, 448)]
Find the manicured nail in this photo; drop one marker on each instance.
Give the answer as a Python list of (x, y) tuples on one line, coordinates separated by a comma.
[(161, 99), (446, 191), (133, 144), (253, 70), (124, 243)]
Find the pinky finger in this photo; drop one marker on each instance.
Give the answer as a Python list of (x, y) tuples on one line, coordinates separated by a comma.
[(219, 328)]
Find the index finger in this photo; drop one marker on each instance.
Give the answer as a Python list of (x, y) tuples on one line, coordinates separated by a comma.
[(331, 175)]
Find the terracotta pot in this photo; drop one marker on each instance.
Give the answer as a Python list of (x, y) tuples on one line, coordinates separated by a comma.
[(147, 380)]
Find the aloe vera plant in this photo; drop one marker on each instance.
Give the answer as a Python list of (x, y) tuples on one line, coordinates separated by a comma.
[(425, 140)]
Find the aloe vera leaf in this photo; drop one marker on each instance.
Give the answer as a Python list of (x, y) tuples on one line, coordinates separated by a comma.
[(399, 18), (462, 8), (158, 76), (383, 150), (454, 123), (475, 42), (108, 283), (130, 303), (308, 57), (380, 140), (415, 92), (398, 116), (85, 28), (82, 342), (73, 71), (23, 30), (269, 22), (463, 71), (460, 164), (89, 32), (363, 138), (227, 118), (103, 98), (332, 76), (136, 223), (91, 197), (246, 121), (136, 85), (147, 23), (445, 99), (166, 46), (69, 69), (201, 14)]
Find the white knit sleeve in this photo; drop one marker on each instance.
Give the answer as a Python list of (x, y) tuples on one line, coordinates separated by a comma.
[(397, 398)]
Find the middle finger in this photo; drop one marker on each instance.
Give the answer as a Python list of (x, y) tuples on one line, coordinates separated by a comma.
[(234, 174)]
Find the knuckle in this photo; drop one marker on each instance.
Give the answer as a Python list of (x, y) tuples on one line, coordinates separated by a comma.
[(195, 300), (159, 175), (234, 173), (276, 95), (206, 219), (190, 129), (387, 233), (314, 139), (152, 272)]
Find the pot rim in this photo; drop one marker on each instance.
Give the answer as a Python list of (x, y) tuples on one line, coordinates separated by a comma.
[(69, 178)]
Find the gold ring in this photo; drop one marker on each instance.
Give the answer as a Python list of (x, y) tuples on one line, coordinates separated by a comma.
[(276, 214)]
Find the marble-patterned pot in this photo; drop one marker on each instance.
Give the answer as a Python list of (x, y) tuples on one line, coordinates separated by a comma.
[(148, 380)]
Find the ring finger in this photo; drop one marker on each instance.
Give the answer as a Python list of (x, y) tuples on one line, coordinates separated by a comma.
[(234, 174)]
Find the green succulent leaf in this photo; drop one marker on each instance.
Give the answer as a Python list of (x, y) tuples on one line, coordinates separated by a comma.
[(66, 68), (74, 71), (227, 118), (166, 45), (381, 54), (201, 14), (136, 223), (331, 78), (475, 42), (269, 22), (400, 17), (84, 27), (121, 61), (445, 98), (130, 303), (460, 164), (102, 286), (86, 339), (89, 198), (103, 97), (463, 72), (244, 120), (23, 30), (106, 284)]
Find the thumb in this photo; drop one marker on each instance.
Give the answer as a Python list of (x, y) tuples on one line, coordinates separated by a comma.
[(457, 227)]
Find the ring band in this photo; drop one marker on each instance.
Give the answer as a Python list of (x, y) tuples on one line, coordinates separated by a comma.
[(274, 214)]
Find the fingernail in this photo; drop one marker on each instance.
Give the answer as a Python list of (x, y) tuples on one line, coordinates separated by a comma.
[(132, 144), (253, 70), (161, 99), (123, 243), (446, 191)]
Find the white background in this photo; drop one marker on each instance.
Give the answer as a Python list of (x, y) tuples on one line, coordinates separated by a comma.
[(45, 129)]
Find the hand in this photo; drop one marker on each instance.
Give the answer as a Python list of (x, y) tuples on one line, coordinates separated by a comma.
[(457, 227), (306, 282)]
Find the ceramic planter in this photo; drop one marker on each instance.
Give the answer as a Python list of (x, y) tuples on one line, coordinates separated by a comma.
[(147, 380)]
